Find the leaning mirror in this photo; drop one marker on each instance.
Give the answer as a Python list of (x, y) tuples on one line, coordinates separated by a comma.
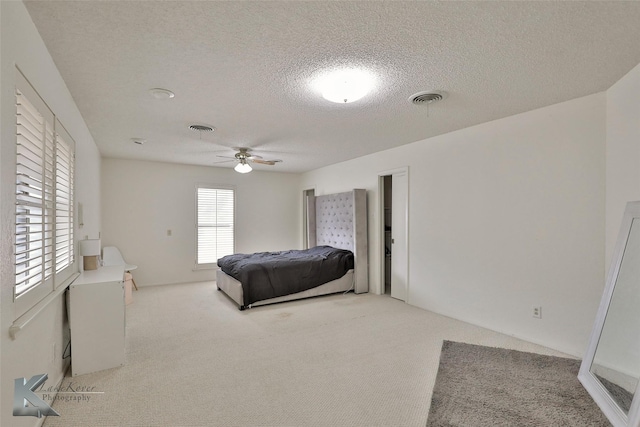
[(610, 370)]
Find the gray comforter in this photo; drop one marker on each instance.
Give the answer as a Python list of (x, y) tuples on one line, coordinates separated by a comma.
[(265, 275)]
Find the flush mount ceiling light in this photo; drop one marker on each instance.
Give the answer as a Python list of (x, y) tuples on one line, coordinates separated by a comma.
[(345, 86), (159, 93)]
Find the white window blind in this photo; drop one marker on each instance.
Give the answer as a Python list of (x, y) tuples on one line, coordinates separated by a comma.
[(215, 224), (44, 245)]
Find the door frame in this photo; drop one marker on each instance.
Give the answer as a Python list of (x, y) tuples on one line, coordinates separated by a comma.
[(305, 234), (381, 252)]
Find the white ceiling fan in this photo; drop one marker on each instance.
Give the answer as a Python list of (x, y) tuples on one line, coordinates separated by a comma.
[(243, 157)]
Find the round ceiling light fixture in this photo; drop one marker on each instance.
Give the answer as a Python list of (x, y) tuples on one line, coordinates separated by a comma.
[(159, 93), (345, 85)]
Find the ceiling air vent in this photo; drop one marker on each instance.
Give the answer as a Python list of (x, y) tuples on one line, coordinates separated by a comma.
[(201, 128), (427, 97)]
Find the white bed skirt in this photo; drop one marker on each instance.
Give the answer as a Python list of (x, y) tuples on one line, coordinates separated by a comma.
[(233, 289)]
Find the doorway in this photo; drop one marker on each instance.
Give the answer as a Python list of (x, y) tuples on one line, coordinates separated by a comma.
[(388, 189), (311, 192), (394, 207)]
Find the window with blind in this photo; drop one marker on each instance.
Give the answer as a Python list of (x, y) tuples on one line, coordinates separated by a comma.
[(214, 224), (44, 254)]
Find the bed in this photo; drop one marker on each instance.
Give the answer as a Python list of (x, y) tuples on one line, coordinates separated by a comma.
[(335, 221)]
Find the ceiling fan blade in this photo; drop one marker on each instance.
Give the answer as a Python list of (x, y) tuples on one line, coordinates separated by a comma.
[(253, 156), (223, 161), (226, 157), (266, 162)]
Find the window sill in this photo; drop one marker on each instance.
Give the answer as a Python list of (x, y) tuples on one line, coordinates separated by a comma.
[(21, 322)]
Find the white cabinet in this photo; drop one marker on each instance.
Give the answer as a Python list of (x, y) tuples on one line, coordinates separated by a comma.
[(97, 320)]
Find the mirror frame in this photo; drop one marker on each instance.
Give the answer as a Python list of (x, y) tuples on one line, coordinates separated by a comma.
[(598, 392)]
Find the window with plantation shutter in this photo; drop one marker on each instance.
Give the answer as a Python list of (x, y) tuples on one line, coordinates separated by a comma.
[(44, 246), (214, 224), (34, 197), (64, 201)]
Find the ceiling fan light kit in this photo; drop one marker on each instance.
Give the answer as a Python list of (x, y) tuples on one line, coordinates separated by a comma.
[(243, 167)]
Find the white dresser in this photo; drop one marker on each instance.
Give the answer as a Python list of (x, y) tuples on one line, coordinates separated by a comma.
[(97, 320)]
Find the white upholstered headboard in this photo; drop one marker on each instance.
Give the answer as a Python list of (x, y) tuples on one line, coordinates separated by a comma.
[(340, 220)]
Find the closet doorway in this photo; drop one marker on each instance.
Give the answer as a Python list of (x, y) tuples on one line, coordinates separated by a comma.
[(394, 207), (305, 217)]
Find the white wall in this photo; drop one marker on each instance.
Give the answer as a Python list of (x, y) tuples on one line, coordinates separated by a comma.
[(31, 352), (623, 152), (142, 200), (503, 216)]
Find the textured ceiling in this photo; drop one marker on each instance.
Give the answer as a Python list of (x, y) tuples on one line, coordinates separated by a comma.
[(246, 68)]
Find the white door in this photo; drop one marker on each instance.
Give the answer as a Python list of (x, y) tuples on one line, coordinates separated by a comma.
[(399, 235)]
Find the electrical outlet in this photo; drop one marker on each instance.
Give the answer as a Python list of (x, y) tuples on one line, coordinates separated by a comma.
[(537, 312)]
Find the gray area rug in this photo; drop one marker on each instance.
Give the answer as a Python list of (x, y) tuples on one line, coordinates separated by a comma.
[(484, 386)]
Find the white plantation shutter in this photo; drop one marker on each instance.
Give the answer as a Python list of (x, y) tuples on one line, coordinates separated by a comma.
[(34, 197), (64, 201), (43, 248), (215, 224)]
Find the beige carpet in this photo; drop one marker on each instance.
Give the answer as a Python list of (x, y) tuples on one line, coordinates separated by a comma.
[(194, 359)]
